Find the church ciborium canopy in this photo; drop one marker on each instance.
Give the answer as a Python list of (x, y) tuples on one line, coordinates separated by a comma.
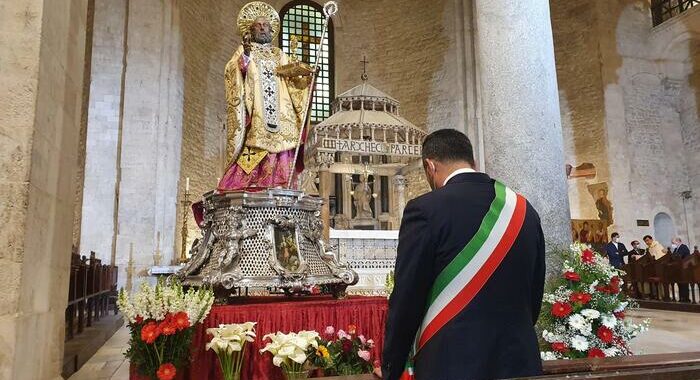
[(368, 146), (365, 121)]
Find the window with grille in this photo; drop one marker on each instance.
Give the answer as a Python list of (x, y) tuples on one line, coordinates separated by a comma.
[(304, 19), (662, 10)]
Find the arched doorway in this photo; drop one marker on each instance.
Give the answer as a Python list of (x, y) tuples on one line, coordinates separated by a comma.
[(664, 229)]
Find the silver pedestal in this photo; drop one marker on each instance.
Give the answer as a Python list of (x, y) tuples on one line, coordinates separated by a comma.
[(271, 239)]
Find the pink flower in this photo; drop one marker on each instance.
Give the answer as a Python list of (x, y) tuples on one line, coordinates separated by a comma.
[(330, 330), (343, 335), (362, 339), (365, 355), (370, 343)]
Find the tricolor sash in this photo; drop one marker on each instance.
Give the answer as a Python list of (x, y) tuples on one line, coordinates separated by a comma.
[(462, 279)]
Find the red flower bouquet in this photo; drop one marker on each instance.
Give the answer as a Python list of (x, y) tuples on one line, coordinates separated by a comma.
[(161, 327), (584, 314)]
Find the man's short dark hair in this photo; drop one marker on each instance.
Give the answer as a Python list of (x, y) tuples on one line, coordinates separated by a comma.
[(614, 235), (448, 145), (635, 242), (647, 237)]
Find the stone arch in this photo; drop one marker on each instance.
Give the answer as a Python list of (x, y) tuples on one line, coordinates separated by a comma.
[(664, 228)]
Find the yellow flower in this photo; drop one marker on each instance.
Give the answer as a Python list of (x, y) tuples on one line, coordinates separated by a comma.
[(322, 352)]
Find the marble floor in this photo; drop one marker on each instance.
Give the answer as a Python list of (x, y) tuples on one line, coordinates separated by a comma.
[(108, 362), (670, 331)]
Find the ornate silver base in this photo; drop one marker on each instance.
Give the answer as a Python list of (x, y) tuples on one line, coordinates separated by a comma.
[(271, 239)]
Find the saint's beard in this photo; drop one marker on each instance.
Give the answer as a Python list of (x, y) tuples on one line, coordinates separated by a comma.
[(262, 37)]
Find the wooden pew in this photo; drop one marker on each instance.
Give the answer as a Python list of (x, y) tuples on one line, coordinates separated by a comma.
[(691, 275), (92, 289)]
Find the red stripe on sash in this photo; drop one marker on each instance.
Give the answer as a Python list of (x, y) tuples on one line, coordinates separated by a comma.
[(465, 296)]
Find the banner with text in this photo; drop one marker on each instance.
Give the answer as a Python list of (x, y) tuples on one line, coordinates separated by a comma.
[(371, 147)]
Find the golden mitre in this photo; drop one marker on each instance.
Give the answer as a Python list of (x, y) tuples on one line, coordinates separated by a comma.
[(252, 11)]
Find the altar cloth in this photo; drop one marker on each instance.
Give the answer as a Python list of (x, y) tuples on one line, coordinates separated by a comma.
[(284, 314)]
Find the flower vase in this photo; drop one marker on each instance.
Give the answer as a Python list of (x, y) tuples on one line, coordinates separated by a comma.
[(291, 375)]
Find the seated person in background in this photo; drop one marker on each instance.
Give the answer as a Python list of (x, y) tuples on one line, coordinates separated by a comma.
[(616, 251), (679, 249), (637, 250), (654, 247)]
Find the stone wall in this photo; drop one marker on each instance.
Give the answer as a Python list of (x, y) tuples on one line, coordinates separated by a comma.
[(576, 34), (42, 70), (629, 106)]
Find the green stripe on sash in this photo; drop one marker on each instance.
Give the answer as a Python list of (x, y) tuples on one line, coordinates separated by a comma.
[(467, 254)]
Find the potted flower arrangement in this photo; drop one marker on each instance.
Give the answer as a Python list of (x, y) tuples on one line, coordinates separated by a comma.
[(344, 353), (162, 319), (584, 314), (291, 352), (229, 342)]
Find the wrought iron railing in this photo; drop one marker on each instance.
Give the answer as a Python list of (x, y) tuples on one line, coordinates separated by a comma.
[(662, 10)]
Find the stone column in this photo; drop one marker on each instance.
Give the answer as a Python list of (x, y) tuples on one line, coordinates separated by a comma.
[(41, 76), (103, 131), (400, 186), (151, 135), (325, 191), (519, 108)]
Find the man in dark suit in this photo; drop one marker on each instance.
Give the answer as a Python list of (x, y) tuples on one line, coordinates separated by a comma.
[(616, 251), (681, 250), (486, 330)]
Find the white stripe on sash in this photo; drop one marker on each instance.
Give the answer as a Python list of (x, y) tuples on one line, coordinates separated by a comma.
[(477, 262)]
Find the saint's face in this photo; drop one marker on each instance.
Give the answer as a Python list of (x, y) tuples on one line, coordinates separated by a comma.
[(261, 31)]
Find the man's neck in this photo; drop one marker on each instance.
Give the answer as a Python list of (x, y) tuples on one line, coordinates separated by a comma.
[(457, 171)]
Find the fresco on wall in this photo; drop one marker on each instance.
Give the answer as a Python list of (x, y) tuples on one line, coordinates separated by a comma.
[(585, 170), (599, 192), (589, 231)]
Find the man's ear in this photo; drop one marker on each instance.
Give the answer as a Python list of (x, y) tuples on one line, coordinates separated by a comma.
[(431, 165)]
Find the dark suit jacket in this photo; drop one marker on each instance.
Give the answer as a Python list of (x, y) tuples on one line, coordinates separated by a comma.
[(615, 254), (493, 337), (682, 251)]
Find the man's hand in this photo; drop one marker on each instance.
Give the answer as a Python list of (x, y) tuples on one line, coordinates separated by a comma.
[(246, 44), (378, 372)]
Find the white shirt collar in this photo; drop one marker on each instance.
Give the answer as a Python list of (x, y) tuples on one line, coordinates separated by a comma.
[(457, 172)]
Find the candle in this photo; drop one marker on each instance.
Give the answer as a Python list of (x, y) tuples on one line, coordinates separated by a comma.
[(158, 241), (187, 184), (131, 251)]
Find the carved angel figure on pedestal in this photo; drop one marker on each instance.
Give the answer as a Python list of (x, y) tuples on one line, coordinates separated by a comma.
[(266, 99)]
